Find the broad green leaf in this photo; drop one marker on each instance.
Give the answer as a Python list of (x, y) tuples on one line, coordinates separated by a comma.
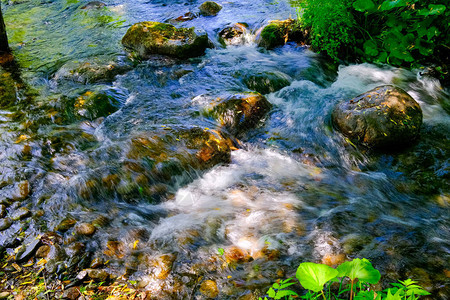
[(271, 293), (433, 9), (396, 296), (314, 276), (417, 291), (388, 4), (363, 5), (370, 48), (361, 269), (367, 295)]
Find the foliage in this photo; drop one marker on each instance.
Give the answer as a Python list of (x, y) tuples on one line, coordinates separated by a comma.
[(399, 32), (318, 280)]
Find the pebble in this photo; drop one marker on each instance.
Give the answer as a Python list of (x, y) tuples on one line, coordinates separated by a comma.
[(85, 229), (65, 224), (5, 223), (71, 293), (100, 275), (43, 251), (4, 295), (209, 289), (20, 214), (96, 263)]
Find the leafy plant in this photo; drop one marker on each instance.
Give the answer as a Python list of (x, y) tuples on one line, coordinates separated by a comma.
[(399, 32), (318, 279)]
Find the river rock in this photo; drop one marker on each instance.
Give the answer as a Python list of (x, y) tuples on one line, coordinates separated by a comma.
[(85, 229), (66, 224), (98, 69), (383, 117), (5, 223), (240, 112), (209, 8), (209, 289), (278, 33), (98, 275), (43, 251), (234, 34), (92, 105), (28, 250), (147, 38), (2, 210), (94, 5), (20, 214), (267, 82), (71, 293)]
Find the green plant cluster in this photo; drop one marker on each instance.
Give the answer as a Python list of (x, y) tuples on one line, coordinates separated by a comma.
[(350, 280), (399, 32)]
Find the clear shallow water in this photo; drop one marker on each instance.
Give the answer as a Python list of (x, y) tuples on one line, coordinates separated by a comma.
[(295, 191)]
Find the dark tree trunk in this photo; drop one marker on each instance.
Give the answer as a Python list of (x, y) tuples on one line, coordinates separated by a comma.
[(3, 38)]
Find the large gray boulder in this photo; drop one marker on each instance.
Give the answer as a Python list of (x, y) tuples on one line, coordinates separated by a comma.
[(381, 118), (147, 38)]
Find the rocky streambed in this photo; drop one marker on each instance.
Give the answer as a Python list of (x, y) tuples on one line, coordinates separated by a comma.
[(182, 150)]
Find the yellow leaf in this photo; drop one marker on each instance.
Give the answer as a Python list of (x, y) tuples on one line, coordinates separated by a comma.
[(136, 242)]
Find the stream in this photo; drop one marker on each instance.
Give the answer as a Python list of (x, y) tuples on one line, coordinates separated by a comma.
[(294, 190)]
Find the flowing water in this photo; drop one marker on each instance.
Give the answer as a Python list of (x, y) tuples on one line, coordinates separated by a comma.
[(294, 191)]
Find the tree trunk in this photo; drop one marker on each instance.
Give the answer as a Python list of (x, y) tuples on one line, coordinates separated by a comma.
[(3, 38)]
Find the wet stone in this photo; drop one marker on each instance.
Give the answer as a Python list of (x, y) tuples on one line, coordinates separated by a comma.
[(2, 210), (94, 5), (96, 263), (5, 223), (20, 214), (277, 33), (145, 39), (85, 229), (28, 250), (210, 8), (43, 251), (209, 289), (233, 35), (71, 293), (66, 224), (99, 275)]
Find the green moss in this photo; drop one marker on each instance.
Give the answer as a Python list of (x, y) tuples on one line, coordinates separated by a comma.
[(210, 8)]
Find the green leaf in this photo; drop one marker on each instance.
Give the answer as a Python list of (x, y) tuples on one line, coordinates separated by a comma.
[(314, 276), (388, 4), (367, 295), (433, 9), (271, 293), (361, 269), (220, 251), (396, 296), (370, 48), (285, 293), (363, 5)]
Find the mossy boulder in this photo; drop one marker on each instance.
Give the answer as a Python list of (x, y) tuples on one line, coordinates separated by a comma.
[(267, 82), (209, 8), (94, 5), (238, 113), (148, 38), (278, 33), (385, 117), (233, 34)]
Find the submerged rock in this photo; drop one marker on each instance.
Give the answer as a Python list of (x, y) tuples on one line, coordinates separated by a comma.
[(147, 38), (20, 214), (85, 229), (5, 223), (92, 105), (94, 5), (383, 117), (209, 8), (278, 33), (240, 112), (209, 289), (267, 82), (100, 69), (234, 34)]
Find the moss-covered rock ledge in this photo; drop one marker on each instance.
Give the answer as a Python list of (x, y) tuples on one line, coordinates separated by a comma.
[(148, 38)]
